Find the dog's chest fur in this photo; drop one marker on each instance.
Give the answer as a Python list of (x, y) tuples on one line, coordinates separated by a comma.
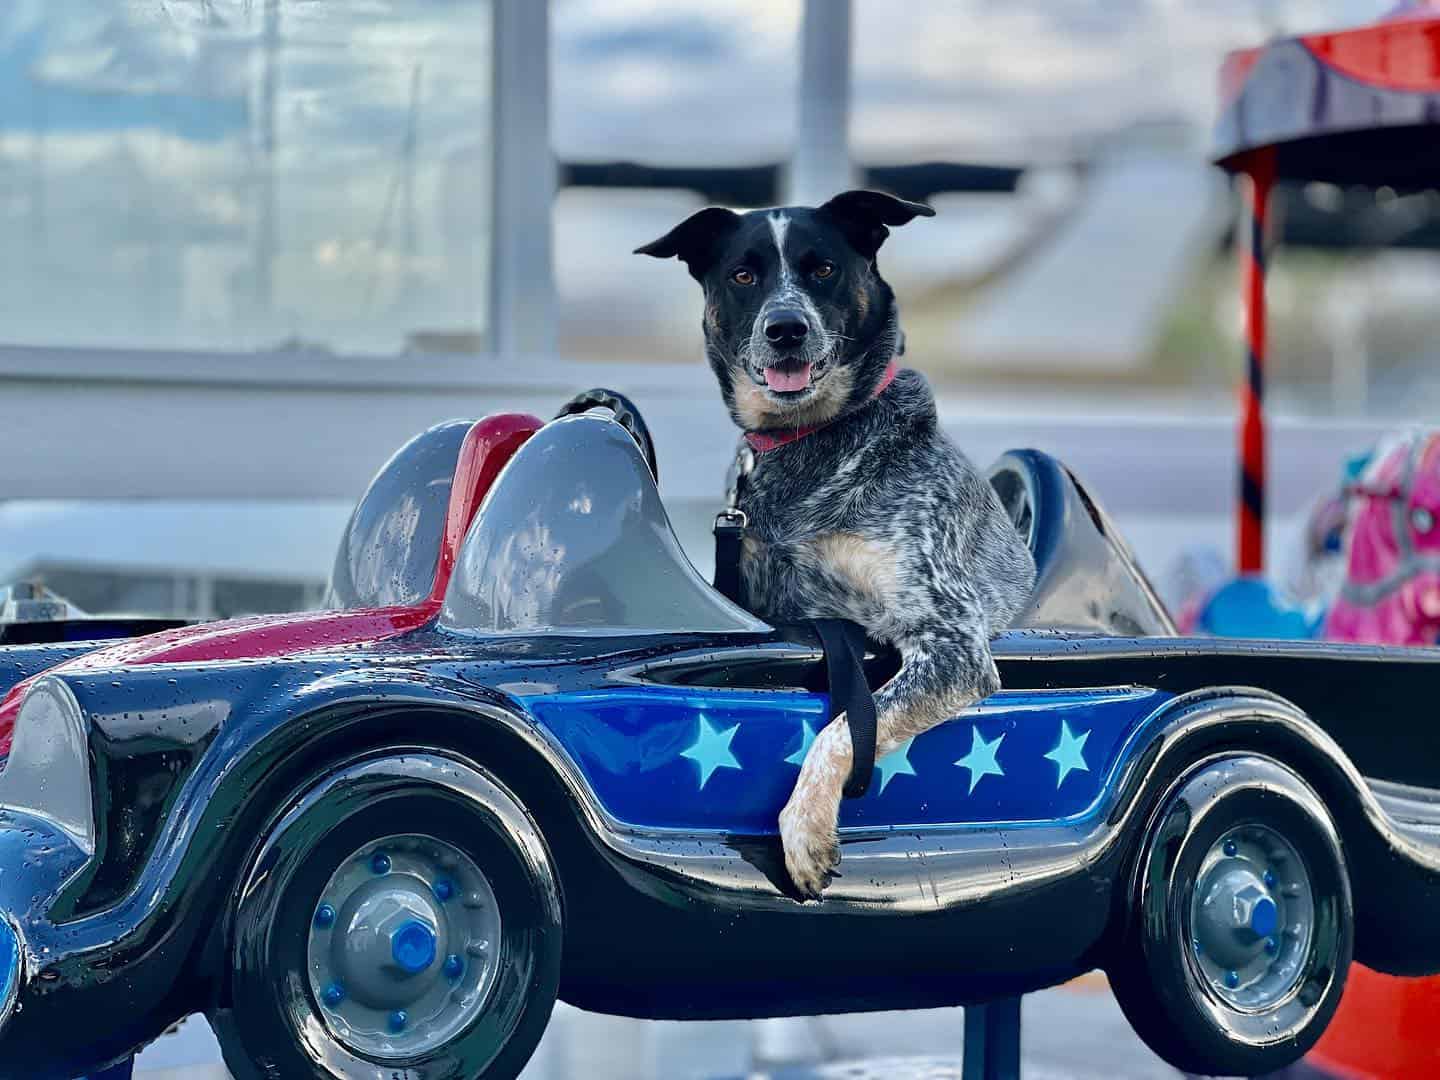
[(880, 519)]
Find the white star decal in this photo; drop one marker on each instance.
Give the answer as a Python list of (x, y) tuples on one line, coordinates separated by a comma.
[(807, 736), (711, 750), (981, 759), (895, 763), (1068, 754)]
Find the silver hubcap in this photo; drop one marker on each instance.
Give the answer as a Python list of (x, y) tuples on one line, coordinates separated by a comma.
[(401, 953), (1252, 918)]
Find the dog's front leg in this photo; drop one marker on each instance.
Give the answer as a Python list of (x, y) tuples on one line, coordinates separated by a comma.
[(938, 677), (808, 822)]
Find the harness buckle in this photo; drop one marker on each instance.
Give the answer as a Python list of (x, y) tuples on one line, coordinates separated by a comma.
[(731, 521)]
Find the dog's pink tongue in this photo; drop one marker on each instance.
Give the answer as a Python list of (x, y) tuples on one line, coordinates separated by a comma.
[(788, 381)]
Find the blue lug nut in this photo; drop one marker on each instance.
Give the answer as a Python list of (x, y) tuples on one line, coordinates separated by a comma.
[(1269, 879), (1231, 848), (398, 1020), (454, 966), (1272, 945), (444, 889), (413, 946), (1232, 979), (1264, 917), (324, 916), (333, 994), (380, 862)]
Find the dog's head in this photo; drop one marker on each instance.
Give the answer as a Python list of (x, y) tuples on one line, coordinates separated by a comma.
[(799, 324)]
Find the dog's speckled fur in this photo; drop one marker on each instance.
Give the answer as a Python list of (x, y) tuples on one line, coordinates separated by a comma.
[(876, 517)]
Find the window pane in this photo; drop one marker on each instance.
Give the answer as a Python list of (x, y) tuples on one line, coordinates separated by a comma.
[(195, 559), (692, 83), (242, 174)]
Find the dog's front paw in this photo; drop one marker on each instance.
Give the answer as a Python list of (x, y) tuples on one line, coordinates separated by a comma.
[(812, 846)]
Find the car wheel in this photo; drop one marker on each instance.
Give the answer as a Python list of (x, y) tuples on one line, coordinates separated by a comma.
[(1242, 927), (403, 918)]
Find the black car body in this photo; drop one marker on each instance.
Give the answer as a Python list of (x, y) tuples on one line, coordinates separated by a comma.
[(566, 784)]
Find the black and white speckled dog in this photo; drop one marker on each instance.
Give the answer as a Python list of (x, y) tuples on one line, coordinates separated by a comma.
[(859, 507)]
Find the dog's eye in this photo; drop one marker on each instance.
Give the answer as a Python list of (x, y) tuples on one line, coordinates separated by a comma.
[(741, 276), (824, 270)]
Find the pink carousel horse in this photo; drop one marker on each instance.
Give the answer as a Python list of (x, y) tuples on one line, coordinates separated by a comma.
[(1391, 590)]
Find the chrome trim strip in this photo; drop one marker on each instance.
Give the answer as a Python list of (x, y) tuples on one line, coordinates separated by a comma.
[(1041, 645)]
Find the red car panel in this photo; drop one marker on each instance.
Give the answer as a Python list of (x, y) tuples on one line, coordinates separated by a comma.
[(486, 449)]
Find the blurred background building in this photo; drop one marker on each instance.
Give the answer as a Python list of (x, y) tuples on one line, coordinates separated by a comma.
[(249, 246)]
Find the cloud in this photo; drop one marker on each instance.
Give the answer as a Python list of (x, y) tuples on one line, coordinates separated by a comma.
[(678, 38)]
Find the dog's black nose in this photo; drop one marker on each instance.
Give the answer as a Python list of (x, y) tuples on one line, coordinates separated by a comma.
[(785, 328)]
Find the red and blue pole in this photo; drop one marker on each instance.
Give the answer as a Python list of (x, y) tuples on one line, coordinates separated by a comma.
[(1258, 179)]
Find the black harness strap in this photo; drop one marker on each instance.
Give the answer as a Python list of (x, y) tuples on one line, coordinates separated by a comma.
[(842, 640), (844, 643), (729, 532), (730, 526)]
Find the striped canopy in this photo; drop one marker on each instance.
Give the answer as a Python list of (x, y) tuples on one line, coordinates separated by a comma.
[(1359, 106)]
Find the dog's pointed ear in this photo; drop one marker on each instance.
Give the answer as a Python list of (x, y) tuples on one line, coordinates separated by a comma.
[(696, 240), (864, 215)]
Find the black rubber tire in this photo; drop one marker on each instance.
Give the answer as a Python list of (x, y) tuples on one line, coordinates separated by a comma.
[(272, 1025), (1154, 979), (626, 415)]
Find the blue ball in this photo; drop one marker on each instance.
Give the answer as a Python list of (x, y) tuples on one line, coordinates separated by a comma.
[(1249, 607)]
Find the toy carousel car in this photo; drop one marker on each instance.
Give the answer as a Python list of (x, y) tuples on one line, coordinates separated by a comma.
[(375, 841)]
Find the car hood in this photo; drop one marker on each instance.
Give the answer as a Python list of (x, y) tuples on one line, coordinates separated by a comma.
[(257, 637)]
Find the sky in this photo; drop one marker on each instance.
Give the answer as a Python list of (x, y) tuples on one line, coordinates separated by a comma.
[(140, 203)]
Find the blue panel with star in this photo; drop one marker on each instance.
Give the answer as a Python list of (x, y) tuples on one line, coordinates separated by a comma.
[(698, 758)]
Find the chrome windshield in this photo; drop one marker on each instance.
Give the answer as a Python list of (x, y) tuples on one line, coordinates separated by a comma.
[(392, 541), (573, 539)]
